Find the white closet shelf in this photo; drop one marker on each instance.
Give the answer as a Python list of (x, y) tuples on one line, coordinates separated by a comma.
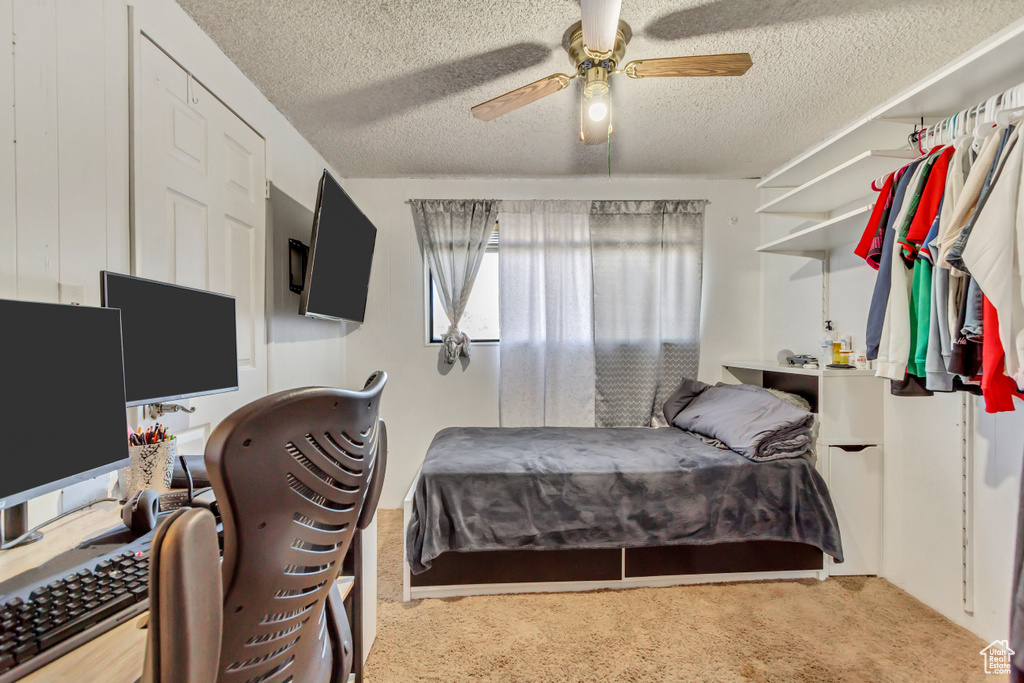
[(843, 184), (845, 144), (989, 68), (822, 237), (773, 366)]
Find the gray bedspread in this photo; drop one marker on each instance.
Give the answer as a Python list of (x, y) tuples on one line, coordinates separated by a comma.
[(553, 487)]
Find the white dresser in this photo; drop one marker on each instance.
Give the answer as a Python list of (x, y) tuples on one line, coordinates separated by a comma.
[(848, 404)]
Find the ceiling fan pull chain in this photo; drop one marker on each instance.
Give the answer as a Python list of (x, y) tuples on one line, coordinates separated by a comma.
[(609, 146)]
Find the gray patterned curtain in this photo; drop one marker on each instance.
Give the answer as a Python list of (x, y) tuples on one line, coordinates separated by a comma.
[(647, 288), (454, 234)]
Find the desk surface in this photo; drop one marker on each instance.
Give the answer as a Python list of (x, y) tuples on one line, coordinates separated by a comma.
[(116, 656)]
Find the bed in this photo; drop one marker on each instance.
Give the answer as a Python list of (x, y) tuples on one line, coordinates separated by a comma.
[(546, 508)]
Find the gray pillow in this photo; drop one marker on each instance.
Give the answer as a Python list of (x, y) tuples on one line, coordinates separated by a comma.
[(688, 390), (747, 419)]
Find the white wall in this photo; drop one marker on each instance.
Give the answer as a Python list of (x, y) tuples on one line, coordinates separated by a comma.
[(64, 187), (420, 400), (923, 472)]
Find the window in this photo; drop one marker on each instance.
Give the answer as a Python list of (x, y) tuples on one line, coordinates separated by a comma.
[(480, 321)]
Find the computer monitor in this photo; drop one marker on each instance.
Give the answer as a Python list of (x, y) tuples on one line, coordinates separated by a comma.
[(178, 342), (63, 418)]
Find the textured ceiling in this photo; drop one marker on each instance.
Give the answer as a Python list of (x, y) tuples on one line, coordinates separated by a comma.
[(383, 88)]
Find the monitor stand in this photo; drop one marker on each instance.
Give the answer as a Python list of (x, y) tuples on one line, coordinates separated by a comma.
[(15, 524)]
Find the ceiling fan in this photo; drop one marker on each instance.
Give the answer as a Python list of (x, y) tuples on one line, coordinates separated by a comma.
[(596, 47)]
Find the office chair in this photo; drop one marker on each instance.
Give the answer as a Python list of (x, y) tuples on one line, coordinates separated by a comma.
[(294, 474), (183, 643)]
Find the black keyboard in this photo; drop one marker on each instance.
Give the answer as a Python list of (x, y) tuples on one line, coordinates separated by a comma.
[(43, 621)]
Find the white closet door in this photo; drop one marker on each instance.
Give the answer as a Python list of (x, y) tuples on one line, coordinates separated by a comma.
[(200, 214), (8, 199)]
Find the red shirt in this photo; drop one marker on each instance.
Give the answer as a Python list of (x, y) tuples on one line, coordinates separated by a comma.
[(997, 388), (928, 206), (876, 216)]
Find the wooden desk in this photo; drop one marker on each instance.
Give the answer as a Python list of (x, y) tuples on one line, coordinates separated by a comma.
[(117, 655)]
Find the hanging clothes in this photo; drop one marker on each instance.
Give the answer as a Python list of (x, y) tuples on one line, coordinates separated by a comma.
[(966, 357), (996, 387), (968, 199), (923, 226), (954, 257), (946, 236), (928, 207), (870, 246), (880, 295), (993, 252), (894, 345)]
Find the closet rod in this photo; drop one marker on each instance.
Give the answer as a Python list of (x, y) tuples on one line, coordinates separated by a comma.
[(1010, 99)]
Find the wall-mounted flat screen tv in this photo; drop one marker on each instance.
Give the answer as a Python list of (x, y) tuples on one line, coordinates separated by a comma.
[(340, 254)]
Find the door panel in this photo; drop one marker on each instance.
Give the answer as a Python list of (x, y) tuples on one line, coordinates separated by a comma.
[(200, 214), (189, 236), (188, 136), (240, 168), (241, 285)]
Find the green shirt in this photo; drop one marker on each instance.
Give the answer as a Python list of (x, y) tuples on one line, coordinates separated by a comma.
[(920, 317)]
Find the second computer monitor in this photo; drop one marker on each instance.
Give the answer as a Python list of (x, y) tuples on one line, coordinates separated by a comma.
[(178, 342)]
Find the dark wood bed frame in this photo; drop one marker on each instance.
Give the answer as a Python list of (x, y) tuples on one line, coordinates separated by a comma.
[(614, 564), (517, 571)]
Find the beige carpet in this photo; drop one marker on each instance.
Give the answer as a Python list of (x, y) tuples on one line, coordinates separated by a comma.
[(842, 629)]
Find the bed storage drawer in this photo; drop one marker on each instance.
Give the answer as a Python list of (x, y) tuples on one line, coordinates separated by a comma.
[(855, 482), (520, 566), (722, 558)]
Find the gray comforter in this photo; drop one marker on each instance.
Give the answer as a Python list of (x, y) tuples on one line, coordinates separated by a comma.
[(554, 487)]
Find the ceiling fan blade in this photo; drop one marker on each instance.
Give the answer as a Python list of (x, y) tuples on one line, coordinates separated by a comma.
[(600, 22), (703, 65), (510, 101)]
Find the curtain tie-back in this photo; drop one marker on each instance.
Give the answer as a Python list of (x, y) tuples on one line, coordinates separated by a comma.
[(456, 343)]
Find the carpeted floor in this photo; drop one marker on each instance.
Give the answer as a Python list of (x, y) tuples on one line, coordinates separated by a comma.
[(842, 629)]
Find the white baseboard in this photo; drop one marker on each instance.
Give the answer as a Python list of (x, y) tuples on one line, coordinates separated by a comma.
[(418, 592)]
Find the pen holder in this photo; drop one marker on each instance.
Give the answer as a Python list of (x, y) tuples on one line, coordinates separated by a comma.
[(152, 468)]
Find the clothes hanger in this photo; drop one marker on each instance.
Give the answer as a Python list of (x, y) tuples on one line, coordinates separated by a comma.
[(960, 128), (1013, 105), (986, 124)]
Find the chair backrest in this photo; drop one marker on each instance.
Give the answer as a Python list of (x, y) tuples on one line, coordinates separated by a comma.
[(291, 473), (183, 643)]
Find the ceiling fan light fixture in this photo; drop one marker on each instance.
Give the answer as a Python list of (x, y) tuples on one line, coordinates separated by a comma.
[(595, 81), (595, 116)]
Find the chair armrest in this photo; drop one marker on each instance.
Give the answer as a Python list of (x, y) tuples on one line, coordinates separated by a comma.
[(340, 635)]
